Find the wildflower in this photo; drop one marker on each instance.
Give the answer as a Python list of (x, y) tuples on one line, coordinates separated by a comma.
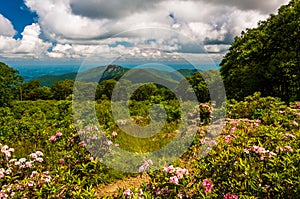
[(246, 151), (230, 196), (95, 128), (88, 128), (61, 160), (22, 160), (1, 175), (76, 161), (158, 191), (91, 158), (169, 169), (180, 171), (207, 184), (116, 145), (114, 134), (212, 143), (53, 138), (33, 174), (81, 132), (8, 171), (12, 160), (141, 192), (29, 164), (58, 134), (17, 163), (109, 142), (39, 159), (288, 148), (288, 135), (127, 193), (227, 139), (295, 123), (174, 180), (39, 153), (33, 155), (235, 123), (82, 143), (233, 129)]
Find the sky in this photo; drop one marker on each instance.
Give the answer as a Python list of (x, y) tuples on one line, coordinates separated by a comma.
[(36, 32)]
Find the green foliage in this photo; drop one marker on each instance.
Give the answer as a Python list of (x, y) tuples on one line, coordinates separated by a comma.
[(10, 81), (266, 58)]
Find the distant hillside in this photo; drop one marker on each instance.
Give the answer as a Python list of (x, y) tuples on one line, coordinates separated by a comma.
[(101, 73)]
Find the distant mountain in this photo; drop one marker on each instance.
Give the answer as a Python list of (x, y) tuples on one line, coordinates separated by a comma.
[(116, 72)]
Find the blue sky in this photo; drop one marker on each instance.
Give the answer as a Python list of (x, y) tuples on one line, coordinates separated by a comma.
[(41, 32), (18, 13)]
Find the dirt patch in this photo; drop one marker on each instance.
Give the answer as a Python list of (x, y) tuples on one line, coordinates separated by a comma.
[(108, 190)]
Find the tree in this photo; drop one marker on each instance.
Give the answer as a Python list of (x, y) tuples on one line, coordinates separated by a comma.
[(10, 81), (62, 89), (266, 58)]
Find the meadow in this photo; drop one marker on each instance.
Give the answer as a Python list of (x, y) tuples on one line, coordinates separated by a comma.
[(256, 154)]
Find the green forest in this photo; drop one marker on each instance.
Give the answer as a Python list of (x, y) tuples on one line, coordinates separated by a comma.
[(253, 152)]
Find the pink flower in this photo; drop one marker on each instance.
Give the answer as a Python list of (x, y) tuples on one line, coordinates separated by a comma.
[(29, 164), (33, 156), (158, 191), (295, 123), (127, 193), (91, 158), (235, 123), (33, 174), (114, 134), (39, 159), (117, 145), (58, 134), (72, 140), (169, 169), (227, 138), (246, 151), (53, 138), (288, 135), (230, 196), (62, 161), (82, 143), (207, 184), (174, 180), (233, 129), (39, 153), (76, 161), (180, 171), (212, 143), (288, 148), (109, 142)]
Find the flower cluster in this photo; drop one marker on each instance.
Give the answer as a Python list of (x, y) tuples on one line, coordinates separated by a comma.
[(295, 123), (145, 165), (129, 193), (230, 196), (208, 185), (55, 137), (286, 148), (262, 151), (6, 151), (179, 173)]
